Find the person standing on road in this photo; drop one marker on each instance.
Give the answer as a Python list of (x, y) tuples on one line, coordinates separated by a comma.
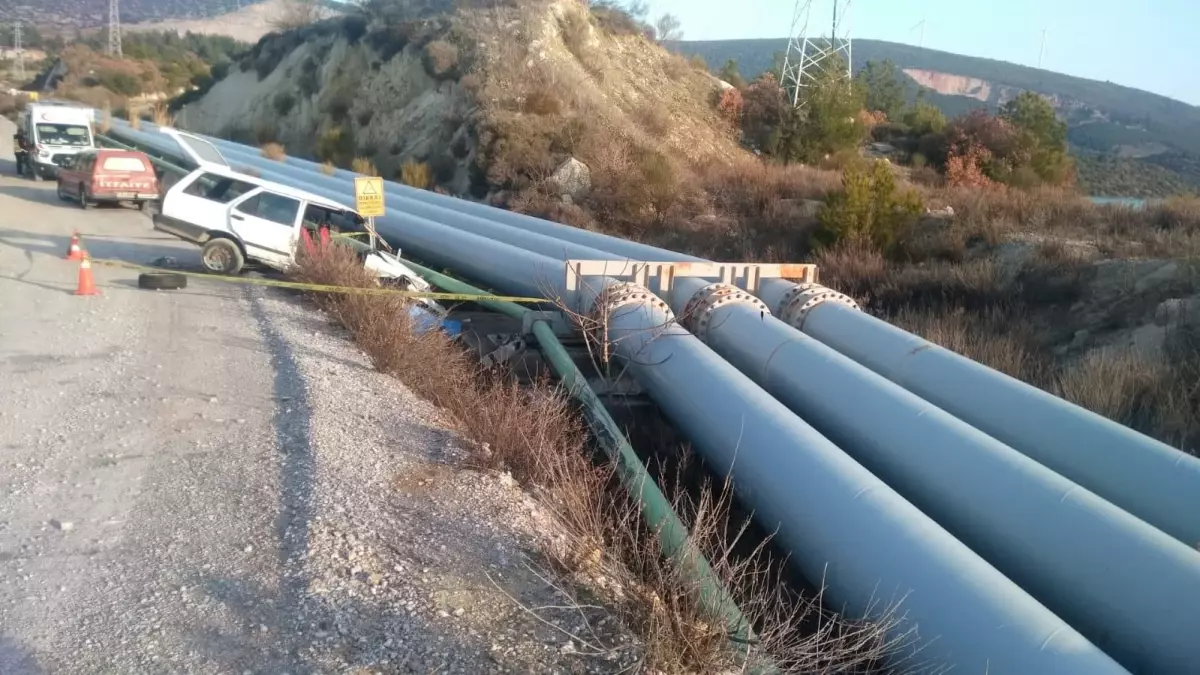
[(19, 152)]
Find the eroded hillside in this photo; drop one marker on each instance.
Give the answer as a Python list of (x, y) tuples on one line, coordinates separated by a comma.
[(491, 100)]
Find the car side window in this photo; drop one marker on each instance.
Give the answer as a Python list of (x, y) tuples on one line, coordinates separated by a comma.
[(217, 188), (272, 207), (277, 208), (250, 206)]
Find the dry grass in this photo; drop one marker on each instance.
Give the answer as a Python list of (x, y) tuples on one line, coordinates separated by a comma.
[(364, 166), (161, 116), (1170, 229), (135, 121), (106, 119), (416, 174), (600, 543), (328, 168), (274, 151)]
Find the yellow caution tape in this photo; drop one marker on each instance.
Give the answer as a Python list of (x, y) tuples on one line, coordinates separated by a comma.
[(461, 297)]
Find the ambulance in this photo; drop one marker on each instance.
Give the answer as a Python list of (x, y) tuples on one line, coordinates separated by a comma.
[(53, 135)]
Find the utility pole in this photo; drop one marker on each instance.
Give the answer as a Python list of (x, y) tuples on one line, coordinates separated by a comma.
[(805, 56), (1042, 53), (18, 49), (114, 29), (921, 25)]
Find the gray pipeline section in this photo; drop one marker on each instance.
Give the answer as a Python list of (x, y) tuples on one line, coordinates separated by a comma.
[(1149, 479), (1040, 529), (965, 481), (843, 526)]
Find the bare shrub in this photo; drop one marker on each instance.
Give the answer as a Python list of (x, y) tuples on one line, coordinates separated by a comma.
[(575, 31), (328, 168), (106, 118), (416, 174), (364, 166), (600, 540), (274, 151), (654, 118), (160, 115), (991, 337), (135, 120), (296, 14), (542, 101), (441, 58), (1118, 384)]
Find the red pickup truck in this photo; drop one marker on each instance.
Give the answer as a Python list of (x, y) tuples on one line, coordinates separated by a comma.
[(105, 175)]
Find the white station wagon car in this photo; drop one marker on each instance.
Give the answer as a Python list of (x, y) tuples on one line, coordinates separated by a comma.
[(236, 217)]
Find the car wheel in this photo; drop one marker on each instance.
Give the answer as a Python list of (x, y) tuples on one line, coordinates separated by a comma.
[(222, 256), (83, 200), (166, 281)]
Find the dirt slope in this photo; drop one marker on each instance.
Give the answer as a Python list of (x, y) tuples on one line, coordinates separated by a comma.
[(486, 97)]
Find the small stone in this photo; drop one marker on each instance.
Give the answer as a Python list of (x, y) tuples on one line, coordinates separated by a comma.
[(248, 549), (63, 525), (212, 399), (459, 612)]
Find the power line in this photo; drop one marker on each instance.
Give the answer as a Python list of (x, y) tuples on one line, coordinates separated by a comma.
[(806, 57), (114, 28), (18, 49)]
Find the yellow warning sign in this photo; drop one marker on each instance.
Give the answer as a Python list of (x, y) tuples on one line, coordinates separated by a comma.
[(368, 196)]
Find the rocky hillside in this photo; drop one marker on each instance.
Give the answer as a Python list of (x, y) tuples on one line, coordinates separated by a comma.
[(488, 102), (1106, 121)]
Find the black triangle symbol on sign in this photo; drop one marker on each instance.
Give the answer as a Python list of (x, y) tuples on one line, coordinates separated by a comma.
[(369, 189)]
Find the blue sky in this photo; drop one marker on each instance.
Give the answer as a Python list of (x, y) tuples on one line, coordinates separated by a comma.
[(1152, 45)]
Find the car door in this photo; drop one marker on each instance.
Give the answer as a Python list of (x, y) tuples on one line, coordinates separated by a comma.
[(85, 169), (68, 177), (266, 222)]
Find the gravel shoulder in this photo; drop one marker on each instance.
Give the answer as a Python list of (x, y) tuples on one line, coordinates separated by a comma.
[(213, 480)]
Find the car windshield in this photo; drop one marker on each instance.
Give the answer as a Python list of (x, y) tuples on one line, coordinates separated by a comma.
[(63, 134)]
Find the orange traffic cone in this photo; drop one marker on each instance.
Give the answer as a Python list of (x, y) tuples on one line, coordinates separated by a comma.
[(74, 252), (87, 286)]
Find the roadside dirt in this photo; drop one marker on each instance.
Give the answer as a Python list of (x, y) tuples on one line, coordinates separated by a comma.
[(212, 480)]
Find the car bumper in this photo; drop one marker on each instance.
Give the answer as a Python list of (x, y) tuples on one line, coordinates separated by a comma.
[(125, 197)]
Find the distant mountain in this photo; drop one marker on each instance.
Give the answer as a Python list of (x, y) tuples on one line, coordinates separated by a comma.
[(1106, 121)]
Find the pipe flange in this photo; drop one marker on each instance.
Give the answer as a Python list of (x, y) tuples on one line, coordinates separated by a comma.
[(621, 294), (698, 312), (800, 301)]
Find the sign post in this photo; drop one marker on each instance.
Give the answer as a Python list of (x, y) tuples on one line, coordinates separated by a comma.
[(368, 199)]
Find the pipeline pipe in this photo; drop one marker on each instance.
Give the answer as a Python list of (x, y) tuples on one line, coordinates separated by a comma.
[(1039, 529), (1146, 477), (1151, 480), (657, 511), (842, 524), (1053, 578)]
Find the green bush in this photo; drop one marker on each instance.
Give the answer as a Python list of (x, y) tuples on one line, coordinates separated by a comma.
[(119, 82), (869, 209), (284, 102)]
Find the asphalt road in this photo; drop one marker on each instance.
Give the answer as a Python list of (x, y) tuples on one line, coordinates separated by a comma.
[(112, 404), (213, 480)]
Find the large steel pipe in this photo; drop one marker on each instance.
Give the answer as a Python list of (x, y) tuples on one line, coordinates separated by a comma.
[(961, 477), (1151, 480), (842, 524), (1146, 477), (1040, 529)]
